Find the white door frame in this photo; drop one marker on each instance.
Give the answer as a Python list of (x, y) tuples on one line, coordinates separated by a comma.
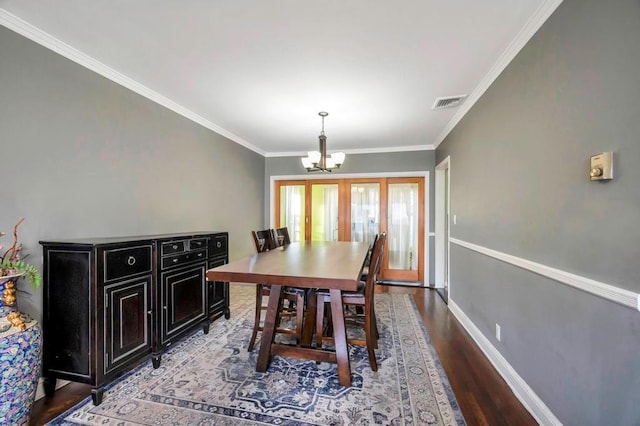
[(424, 174), (441, 262)]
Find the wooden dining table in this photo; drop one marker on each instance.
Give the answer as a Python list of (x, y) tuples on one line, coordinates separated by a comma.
[(335, 266)]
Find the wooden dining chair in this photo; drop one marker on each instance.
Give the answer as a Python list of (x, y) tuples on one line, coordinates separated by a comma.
[(363, 297), (281, 236), (291, 301)]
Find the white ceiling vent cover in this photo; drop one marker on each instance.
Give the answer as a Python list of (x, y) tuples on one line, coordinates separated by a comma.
[(448, 102)]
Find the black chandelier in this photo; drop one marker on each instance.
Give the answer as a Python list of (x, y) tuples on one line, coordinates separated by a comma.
[(317, 161)]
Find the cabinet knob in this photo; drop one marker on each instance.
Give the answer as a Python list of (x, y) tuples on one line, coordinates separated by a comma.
[(175, 260), (131, 261), (149, 312), (175, 247), (218, 244)]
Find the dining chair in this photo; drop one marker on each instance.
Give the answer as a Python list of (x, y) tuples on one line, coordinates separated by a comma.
[(363, 297), (294, 298), (281, 236)]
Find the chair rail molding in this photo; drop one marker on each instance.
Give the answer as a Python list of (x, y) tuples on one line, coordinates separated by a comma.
[(597, 288)]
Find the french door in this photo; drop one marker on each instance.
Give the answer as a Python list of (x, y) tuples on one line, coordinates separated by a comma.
[(357, 210)]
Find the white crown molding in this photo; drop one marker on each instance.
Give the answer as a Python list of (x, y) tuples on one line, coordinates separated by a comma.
[(359, 151), (520, 388), (597, 288), (29, 31), (533, 25)]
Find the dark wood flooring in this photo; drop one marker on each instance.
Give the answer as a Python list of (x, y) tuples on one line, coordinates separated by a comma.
[(483, 396)]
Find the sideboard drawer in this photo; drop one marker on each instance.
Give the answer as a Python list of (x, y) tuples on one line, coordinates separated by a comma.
[(125, 262), (198, 244), (173, 247), (218, 245), (181, 259)]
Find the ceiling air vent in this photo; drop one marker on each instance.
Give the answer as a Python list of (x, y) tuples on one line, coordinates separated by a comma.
[(448, 102)]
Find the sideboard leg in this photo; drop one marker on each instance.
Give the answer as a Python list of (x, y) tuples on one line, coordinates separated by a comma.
[(49, 384), (96, 395), (205, 326), (155, 361)]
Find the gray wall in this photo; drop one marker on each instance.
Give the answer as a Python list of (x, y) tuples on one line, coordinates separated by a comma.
[(362, 163), (519, 185), (84, 157)]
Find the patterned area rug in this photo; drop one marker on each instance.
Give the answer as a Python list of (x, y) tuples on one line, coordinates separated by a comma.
[(211, 380)]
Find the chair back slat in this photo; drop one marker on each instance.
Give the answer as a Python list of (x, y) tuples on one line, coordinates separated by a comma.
[(367, 260), (281, 236), (263, 240), (374, 266)]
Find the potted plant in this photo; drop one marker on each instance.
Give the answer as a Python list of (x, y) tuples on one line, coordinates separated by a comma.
[(20, 337), (12, 263)]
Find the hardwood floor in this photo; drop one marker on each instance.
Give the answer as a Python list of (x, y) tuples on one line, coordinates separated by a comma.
[(483, 396)]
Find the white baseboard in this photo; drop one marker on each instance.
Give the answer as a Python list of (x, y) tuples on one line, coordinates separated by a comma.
[(40, 389), (520, 388)]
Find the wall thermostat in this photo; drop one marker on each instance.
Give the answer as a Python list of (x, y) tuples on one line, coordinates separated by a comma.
[(601, 166)]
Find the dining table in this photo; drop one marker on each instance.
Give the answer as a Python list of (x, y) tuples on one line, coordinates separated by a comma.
[(335, 266)]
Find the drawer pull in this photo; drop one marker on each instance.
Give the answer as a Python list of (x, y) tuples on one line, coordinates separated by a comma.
[(175, 247), (175, 260), (219, 244), (131, 261), (199, 254)]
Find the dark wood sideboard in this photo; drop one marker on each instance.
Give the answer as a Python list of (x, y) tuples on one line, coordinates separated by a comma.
[(110, 303)]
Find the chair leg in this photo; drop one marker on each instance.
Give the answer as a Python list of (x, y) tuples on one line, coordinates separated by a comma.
[(328, 330), (319, 320), (375, 325), (299, 317), (372, 341), (256, 320)]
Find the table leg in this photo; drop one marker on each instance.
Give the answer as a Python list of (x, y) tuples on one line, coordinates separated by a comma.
[(268, 330), (309, 318), (340, 336)]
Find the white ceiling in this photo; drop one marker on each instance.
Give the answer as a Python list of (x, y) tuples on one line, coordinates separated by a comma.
[(259, 72)]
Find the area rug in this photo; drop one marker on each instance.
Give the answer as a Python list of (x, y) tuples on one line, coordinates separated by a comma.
[(211, 380)]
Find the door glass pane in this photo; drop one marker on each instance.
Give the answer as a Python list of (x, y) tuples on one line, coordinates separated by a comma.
[(292, 212), (402, 239), (324, 212), (365, 211)]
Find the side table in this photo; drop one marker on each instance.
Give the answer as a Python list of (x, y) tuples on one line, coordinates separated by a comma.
[(20, 359)]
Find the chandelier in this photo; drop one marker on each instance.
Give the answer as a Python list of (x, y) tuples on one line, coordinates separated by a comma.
[(317, 161)]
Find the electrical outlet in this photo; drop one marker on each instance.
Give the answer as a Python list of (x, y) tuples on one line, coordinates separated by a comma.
[(498, 336)]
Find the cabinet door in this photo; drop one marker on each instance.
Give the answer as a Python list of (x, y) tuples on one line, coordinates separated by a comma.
[(127, 316), (183, 299)]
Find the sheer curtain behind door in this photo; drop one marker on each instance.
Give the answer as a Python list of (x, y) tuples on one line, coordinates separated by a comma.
[(324, 212), (402, 239), (292, 211), (365, 211)]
